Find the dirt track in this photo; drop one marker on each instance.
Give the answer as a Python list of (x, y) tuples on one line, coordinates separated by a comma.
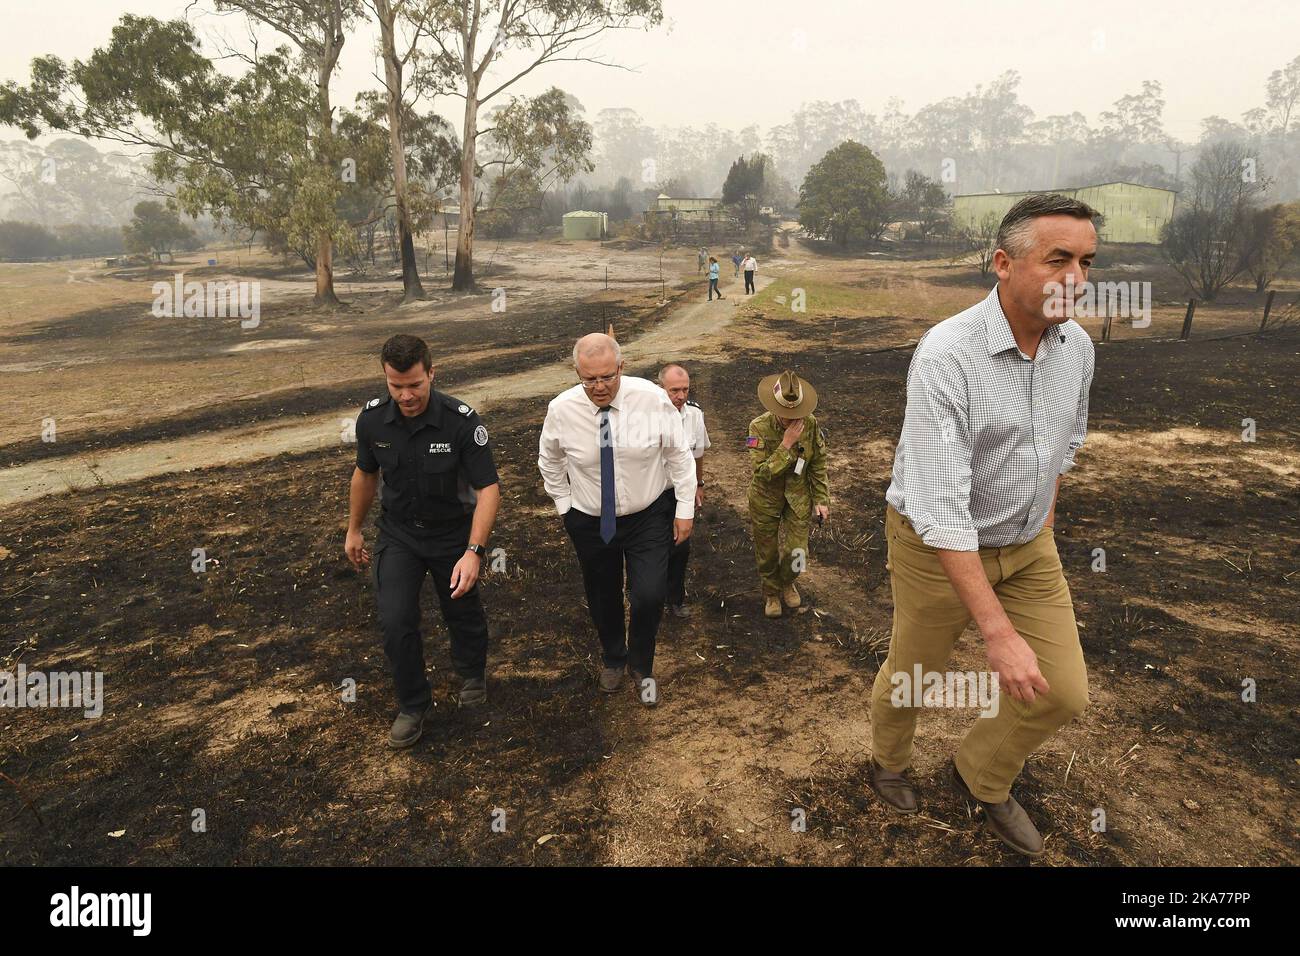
[(687, 328)]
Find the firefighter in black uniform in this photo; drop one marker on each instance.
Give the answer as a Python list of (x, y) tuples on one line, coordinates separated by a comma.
[(440, 500)]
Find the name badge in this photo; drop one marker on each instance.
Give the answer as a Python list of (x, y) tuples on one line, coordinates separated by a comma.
[(798, 467)]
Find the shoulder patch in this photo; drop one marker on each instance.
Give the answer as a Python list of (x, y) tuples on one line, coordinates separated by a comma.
[(753, 441), (480, 435)]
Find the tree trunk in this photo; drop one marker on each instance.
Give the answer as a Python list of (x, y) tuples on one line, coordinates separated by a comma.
[(462, 279), (412, 289), (325, 272), (325, 241)]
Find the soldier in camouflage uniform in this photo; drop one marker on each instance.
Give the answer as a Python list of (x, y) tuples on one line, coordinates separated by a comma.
[(788, 454)]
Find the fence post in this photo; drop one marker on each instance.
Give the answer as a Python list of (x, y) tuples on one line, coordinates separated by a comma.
[(1268, 307), (1105, 328), (1187, 320)]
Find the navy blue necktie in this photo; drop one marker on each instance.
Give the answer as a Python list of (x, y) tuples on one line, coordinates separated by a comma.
[(607, 506)]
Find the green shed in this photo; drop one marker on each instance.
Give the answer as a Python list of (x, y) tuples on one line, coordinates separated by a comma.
[(1131, 213), (581, 224)]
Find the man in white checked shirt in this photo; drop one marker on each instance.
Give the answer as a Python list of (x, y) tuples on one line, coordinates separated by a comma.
[(614, 459), (997, 407)]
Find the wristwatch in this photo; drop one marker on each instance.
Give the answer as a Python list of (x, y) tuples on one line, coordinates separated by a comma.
[(477, 549)]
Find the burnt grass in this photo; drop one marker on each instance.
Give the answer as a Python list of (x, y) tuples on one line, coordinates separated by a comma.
[(537, 336), (223, 688)]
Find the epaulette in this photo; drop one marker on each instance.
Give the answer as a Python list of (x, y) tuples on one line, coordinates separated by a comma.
[(376, 402), (691, 401), (456, 405)]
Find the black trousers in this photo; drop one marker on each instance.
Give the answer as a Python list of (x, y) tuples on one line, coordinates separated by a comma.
[(401, 562), (677, 561), (749, 280), (641, 543)]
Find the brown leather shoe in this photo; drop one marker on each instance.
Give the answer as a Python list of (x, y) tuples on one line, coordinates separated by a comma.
[(790, 595), (893, 788), (772, 606), (611, 679), (1007, 819)]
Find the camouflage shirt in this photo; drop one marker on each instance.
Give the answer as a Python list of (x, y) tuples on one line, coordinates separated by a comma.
[(774, 480)]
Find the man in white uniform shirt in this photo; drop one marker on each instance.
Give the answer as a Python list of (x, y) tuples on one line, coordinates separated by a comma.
[(615, 460), (677, 383)]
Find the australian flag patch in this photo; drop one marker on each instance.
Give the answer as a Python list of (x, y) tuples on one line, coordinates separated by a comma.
[(753, 441)]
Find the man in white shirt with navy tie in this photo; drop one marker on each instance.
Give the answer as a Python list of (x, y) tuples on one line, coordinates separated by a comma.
[(615, 459)]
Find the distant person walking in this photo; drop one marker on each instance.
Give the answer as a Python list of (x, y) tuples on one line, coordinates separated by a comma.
[(700, 257), (714, 271), (736, 259), (750, 265)]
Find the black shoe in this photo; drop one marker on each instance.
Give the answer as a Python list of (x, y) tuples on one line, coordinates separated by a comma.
[(646, 688), (473, 691), (407, 728)]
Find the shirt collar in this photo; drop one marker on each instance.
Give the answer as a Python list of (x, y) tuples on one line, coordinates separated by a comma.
[(432, 414), (616, 402), (996, 326), (998, 329)]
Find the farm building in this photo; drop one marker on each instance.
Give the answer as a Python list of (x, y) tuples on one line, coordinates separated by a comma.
[(1131, 213), (684, 209), (581, 224), (446, 217)]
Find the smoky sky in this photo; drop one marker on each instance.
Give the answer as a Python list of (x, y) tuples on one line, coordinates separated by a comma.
[(754, 62)]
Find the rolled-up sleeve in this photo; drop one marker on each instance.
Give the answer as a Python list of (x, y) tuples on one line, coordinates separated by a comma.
[(1080, 431), (937, 463)]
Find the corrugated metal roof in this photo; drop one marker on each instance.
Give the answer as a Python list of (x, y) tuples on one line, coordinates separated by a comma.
[(1070, 189)]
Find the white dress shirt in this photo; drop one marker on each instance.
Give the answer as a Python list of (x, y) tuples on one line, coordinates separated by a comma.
[(750, 264), (988, 430), (651, 450), (697, 436)]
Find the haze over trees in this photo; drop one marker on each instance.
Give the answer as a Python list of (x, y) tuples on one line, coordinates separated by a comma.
[(262, 148)]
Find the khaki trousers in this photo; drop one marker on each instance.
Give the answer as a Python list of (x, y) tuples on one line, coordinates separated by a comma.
[(928, 619)]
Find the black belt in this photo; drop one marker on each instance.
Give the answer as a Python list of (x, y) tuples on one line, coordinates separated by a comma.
[(429, 524)]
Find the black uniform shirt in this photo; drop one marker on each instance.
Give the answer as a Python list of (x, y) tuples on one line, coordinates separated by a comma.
[(432, 463)]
